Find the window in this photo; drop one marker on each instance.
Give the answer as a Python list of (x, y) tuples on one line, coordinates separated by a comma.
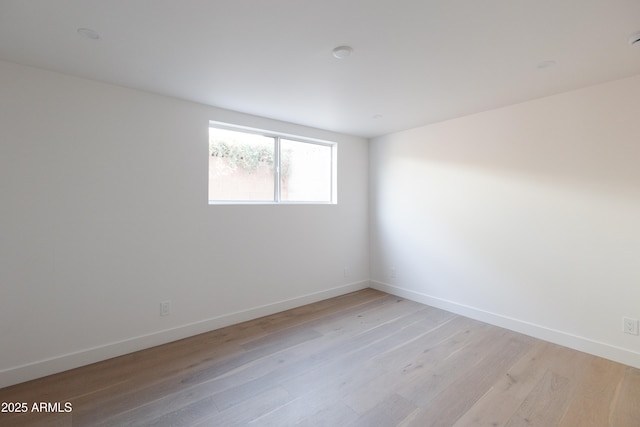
[(253, 166)]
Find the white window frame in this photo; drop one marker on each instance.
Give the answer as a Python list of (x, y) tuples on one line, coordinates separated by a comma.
[(277, 136)]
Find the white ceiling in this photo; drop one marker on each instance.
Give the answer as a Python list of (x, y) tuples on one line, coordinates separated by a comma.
[(415, 61)]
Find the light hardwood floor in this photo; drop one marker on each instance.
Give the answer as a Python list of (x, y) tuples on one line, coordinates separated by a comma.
[(362, 359)]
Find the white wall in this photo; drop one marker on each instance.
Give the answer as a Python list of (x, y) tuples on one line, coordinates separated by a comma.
[(526, 216), (104, 214)]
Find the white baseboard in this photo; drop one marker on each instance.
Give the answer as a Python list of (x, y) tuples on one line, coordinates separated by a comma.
[(565, 339), (68, 361)]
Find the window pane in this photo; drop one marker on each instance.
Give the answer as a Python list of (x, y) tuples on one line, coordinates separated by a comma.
[(305, 174), (240, 166)]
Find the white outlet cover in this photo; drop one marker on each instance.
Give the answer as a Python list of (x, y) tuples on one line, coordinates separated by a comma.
[(165, 308), (630, 326)]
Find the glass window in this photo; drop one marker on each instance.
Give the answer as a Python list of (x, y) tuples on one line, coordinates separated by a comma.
[(305, 172), (255, 166), (241, 166)]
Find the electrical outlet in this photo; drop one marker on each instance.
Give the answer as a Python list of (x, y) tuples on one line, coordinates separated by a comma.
[(346, 272), (165, 308), (630, 326), (392, 273)]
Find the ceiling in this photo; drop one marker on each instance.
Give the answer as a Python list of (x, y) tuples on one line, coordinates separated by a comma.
[(414, 62)]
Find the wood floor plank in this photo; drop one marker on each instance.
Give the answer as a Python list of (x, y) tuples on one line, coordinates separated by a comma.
[(310, 314), (545, 405), (361, 359), (185, 403), (388, 310), (365, 342), (312, 409), (511, 390), (591, 403), (388, 412), (441, 373), (252, 369), (626, 408), (406, 364), (203, 372), (336, 414), (335, 365), (184, 416), (36, 420), (453, 402), (254, 407)]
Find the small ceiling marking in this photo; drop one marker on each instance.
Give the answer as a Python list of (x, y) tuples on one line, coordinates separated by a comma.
[(88, 33), (546, 64)]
